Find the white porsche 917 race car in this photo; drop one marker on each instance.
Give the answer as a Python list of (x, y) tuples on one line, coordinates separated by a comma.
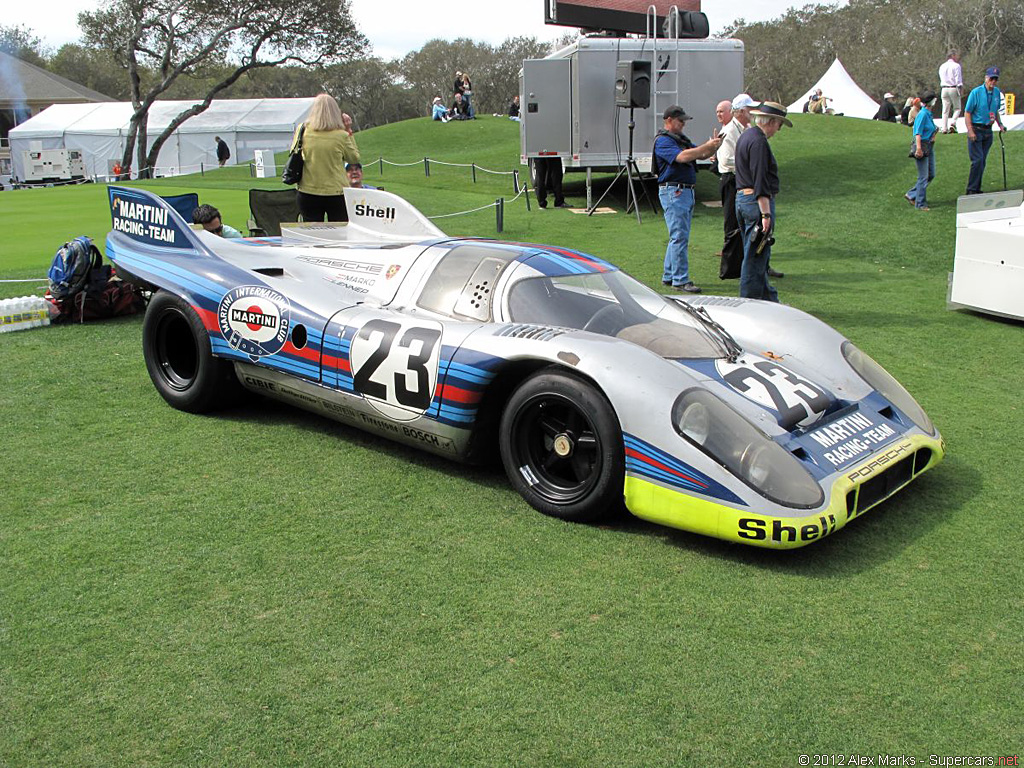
[(745, 420)]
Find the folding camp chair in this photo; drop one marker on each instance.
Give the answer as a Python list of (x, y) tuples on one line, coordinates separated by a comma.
[(184, 204), (270, 207)]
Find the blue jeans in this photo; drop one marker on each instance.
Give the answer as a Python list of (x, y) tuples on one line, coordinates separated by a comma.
[(925, 173), (468, 98), (678, 206), (754, 272), (977, 150)]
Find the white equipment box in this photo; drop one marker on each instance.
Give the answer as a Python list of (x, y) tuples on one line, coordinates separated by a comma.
[(988, 267), (263, 159), (53, 165)]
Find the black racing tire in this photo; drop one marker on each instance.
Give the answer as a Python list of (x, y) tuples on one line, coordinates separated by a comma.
[(180, 360), (561, 445)]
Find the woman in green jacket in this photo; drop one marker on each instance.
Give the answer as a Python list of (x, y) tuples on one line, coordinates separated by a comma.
[(327, 144)]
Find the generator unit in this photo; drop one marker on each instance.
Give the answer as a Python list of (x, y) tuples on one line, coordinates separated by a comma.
[(574, 105), (53, 165)]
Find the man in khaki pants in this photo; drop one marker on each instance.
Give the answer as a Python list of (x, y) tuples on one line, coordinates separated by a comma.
[(951, 78)]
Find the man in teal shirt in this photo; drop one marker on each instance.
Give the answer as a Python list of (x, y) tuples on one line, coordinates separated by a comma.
[(981, 111)]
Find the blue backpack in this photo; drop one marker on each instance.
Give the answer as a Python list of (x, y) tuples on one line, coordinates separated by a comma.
[(71, 268)]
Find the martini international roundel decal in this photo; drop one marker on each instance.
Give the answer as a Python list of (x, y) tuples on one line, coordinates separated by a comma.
[(255, 320)]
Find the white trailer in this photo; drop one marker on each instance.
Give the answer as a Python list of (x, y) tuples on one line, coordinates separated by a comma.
[(568, 99), (988, 265)]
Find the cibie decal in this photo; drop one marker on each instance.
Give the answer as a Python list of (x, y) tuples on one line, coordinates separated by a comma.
[(392, 271), (255, 320), (770, 385)]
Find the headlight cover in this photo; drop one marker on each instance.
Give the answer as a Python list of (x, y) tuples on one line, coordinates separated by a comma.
[(880, 379), (716, 429)]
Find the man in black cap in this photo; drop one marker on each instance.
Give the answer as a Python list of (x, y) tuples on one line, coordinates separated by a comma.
[(757, 183), (674, 160), (980, 112)]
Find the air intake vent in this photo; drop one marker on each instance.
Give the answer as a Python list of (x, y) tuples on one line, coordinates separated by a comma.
[(524, 331), (716, 301)]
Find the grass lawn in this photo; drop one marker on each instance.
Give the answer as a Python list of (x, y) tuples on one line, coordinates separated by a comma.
[(263, 587)]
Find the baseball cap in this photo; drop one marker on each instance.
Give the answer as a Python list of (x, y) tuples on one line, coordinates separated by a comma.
[(992, 72), (743, 100), (350, 166), (889, 95), (677, 112)]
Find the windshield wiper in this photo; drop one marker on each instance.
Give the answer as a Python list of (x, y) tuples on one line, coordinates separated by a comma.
[(730, 346)]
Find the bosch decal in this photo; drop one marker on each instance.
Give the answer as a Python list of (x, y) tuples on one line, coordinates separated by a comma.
[(255, 320)]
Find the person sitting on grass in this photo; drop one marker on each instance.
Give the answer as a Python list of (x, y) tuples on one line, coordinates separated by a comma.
[(209, 217), (460, 109), (439, 111)]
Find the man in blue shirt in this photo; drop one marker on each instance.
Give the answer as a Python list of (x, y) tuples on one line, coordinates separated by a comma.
[(981, 110), (674, 160)]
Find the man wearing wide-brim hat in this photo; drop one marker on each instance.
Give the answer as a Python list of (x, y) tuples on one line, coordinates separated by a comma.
[(757, 184)]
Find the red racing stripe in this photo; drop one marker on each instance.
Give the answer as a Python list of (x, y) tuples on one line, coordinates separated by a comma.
[(648, 460)]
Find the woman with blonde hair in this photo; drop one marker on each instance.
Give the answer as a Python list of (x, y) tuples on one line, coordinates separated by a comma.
[(327, 145), (467, 95)]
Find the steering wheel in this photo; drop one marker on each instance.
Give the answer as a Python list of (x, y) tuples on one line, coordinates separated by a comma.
[(607, 320)]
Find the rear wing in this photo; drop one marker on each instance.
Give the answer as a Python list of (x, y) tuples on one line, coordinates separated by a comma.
[(374, 214)]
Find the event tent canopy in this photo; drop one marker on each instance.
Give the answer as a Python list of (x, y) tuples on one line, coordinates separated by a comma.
[(842, 92), (100, 131)]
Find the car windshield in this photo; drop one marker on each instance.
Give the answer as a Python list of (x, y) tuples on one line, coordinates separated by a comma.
[(614, 304)]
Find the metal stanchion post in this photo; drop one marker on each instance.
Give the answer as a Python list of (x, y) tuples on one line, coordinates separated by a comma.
[(499, 219), (202, 170), (381, 161), (426, 166), (526, 194), (515, 182), (474, 173)]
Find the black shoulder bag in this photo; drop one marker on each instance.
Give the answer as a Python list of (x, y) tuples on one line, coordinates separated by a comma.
[(292, 173)]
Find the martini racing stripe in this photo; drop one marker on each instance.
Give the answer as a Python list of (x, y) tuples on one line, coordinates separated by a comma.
[(279, 361), (183, 277), (645, 460)]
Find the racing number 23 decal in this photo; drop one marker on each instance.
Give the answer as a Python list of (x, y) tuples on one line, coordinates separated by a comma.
[(796, 399), (395, 363)]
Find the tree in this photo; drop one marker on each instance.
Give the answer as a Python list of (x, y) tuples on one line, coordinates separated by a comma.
[(20, 41), (196, 37), (91, 68)]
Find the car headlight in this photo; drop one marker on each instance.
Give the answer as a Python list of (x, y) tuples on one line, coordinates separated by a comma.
[(881, 380), (716, 429)]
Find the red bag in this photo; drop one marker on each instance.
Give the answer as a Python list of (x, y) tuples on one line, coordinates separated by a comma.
[(100, 301)]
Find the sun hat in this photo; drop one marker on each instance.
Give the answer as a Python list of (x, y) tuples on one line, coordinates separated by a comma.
[(743, 100), (677, 112), (772, 109)]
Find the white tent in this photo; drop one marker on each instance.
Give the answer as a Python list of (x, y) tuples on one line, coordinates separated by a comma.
[(100, 131), (843, 94)]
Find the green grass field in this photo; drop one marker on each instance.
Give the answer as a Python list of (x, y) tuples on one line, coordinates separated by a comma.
[(264, 587)]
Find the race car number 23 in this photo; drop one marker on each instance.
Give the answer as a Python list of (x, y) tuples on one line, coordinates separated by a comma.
[(395, 363), (796, 399)]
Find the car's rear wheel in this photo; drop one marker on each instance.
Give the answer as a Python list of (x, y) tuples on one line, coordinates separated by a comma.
[(180, 360), (561, 445)]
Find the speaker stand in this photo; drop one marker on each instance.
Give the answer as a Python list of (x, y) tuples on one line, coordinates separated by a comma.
[(629, 168)]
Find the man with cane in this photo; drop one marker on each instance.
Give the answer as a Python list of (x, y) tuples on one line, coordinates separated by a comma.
[(980, 112)]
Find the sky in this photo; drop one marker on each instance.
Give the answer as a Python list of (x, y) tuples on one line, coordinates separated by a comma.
[(396, 27)]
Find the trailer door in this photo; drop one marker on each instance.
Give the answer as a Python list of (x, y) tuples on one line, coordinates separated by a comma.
[(546, 120)]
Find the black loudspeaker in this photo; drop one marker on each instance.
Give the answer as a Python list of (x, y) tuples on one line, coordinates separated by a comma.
[(633, 84)]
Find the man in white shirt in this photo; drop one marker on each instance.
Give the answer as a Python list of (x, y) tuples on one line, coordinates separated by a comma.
[(733, 126), (951, 78)]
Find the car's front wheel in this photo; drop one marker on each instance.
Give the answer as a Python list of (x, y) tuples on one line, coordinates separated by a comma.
[(180, 360), (561, 445)]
